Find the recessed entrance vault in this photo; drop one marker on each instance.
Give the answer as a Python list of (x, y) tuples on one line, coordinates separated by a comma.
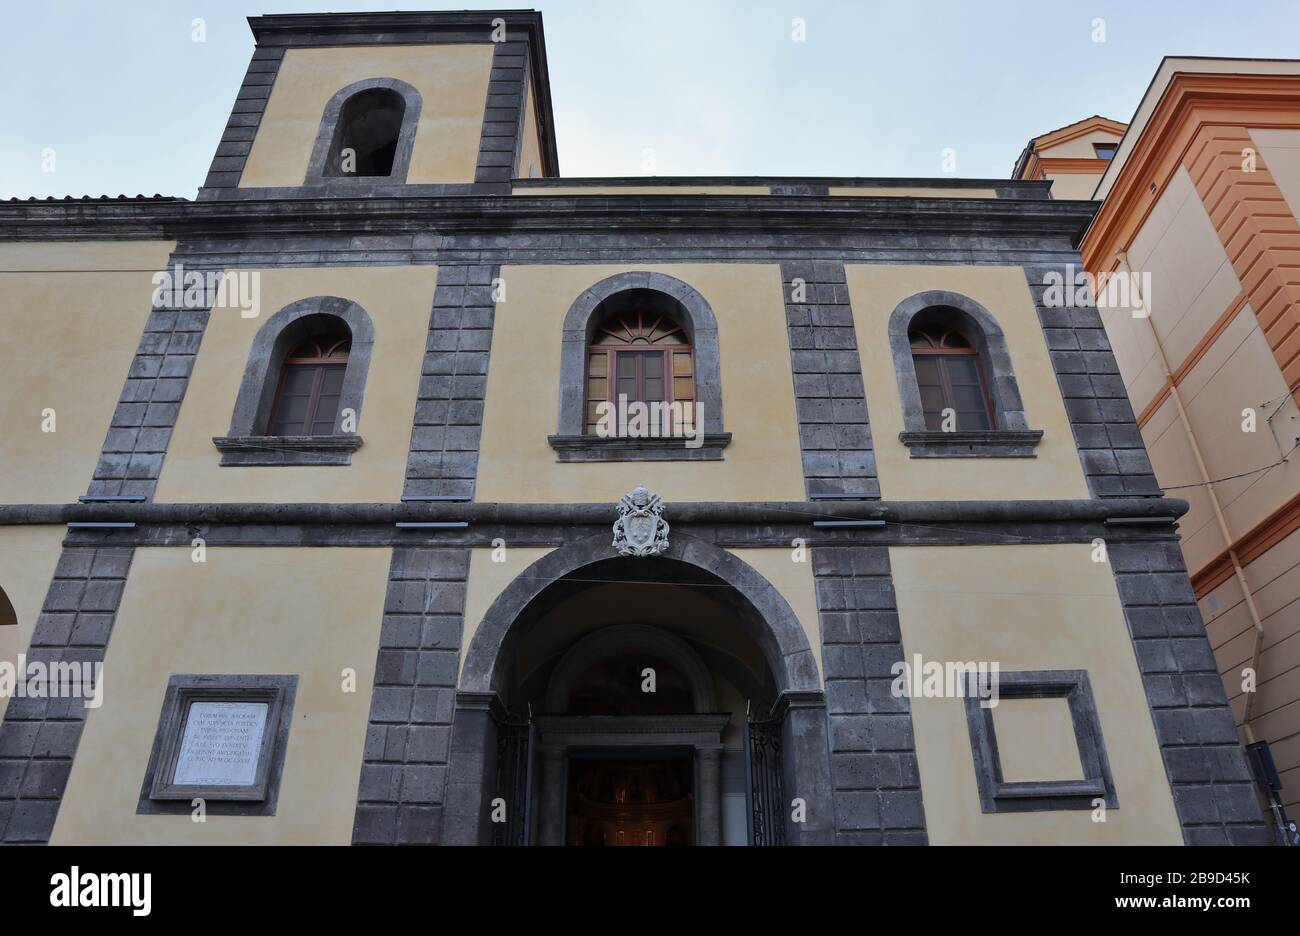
[(595, 676)]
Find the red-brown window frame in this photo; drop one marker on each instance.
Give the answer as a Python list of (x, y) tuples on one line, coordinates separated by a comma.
[(945, 384), (641, 349), (641, 352), (326, 345)]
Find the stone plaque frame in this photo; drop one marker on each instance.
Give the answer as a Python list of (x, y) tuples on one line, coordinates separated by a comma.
[(159, 794), (998, 795)]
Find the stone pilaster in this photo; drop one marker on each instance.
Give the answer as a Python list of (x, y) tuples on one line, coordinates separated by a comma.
[(875, 779), (830, 400)]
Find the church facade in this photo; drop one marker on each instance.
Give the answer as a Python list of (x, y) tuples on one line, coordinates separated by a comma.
[(399, 490)]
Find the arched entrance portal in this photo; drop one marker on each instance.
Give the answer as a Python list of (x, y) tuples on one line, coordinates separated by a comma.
[(612, 700)]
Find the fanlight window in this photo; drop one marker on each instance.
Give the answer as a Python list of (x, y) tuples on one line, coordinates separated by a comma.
[(307, 400), (644, 356), (949, 376), (365, 141)]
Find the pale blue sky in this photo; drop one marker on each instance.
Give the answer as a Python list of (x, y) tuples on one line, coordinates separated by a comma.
[(880, 87)]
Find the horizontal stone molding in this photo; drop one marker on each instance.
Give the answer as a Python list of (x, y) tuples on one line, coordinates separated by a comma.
[(686, 512), (972, 443), (495, 215), (800, 185), (590, 448), (287, 450)]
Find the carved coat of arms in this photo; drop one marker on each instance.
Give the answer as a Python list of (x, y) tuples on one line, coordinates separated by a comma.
[(640, 529)]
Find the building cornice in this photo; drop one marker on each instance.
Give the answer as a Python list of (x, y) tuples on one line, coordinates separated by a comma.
[(1028, 165), (1077, 129), (1148, 162), (1008, 188), (123, 219), (1072, 165)]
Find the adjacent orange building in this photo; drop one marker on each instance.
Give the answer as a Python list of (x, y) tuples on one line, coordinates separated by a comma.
[(1198, 207), (1073, 158)]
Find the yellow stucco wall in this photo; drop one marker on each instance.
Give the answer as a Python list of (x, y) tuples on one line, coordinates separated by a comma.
[(1055, 472), (516, 463), (305, 612), (1028, 608), (644, 190), (1073, 186), (452, 81), (1036, 740), (28, 555), (70, 320), (881, 191), (877, 191), (794, 581), (398, 301), (1281, 152), (530, 150), (487, 579)]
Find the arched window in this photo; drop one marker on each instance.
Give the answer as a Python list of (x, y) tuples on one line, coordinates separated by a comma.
[(365, 138), (366, 135), (653, 339), (949, 376), (950, 354), (299, 402), (644, 356), (311, 382)]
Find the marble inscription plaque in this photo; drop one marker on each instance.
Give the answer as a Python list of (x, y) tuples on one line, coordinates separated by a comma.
[(221, 744)]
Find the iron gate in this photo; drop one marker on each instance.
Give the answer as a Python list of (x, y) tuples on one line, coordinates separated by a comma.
[(763, 772), (514, 784)]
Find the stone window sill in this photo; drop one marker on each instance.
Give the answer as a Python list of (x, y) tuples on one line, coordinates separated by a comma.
[(287, 450), (995, 443), (590, 448)]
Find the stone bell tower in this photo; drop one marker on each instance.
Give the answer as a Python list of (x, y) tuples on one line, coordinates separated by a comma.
[(388, 104)]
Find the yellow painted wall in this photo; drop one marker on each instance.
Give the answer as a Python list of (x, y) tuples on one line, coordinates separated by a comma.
[(530, 151), (1192, 279), (1036, 740), (1028, 608), (794, 581), (28, 555), (71, 317), (1073, 186), (487, 579), (452, 81), (1274, 579), (1280, 150), (309, 612), (645, 190), (866, 191), (398, 301), (876, 291), (516, 463), (877, 191)]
